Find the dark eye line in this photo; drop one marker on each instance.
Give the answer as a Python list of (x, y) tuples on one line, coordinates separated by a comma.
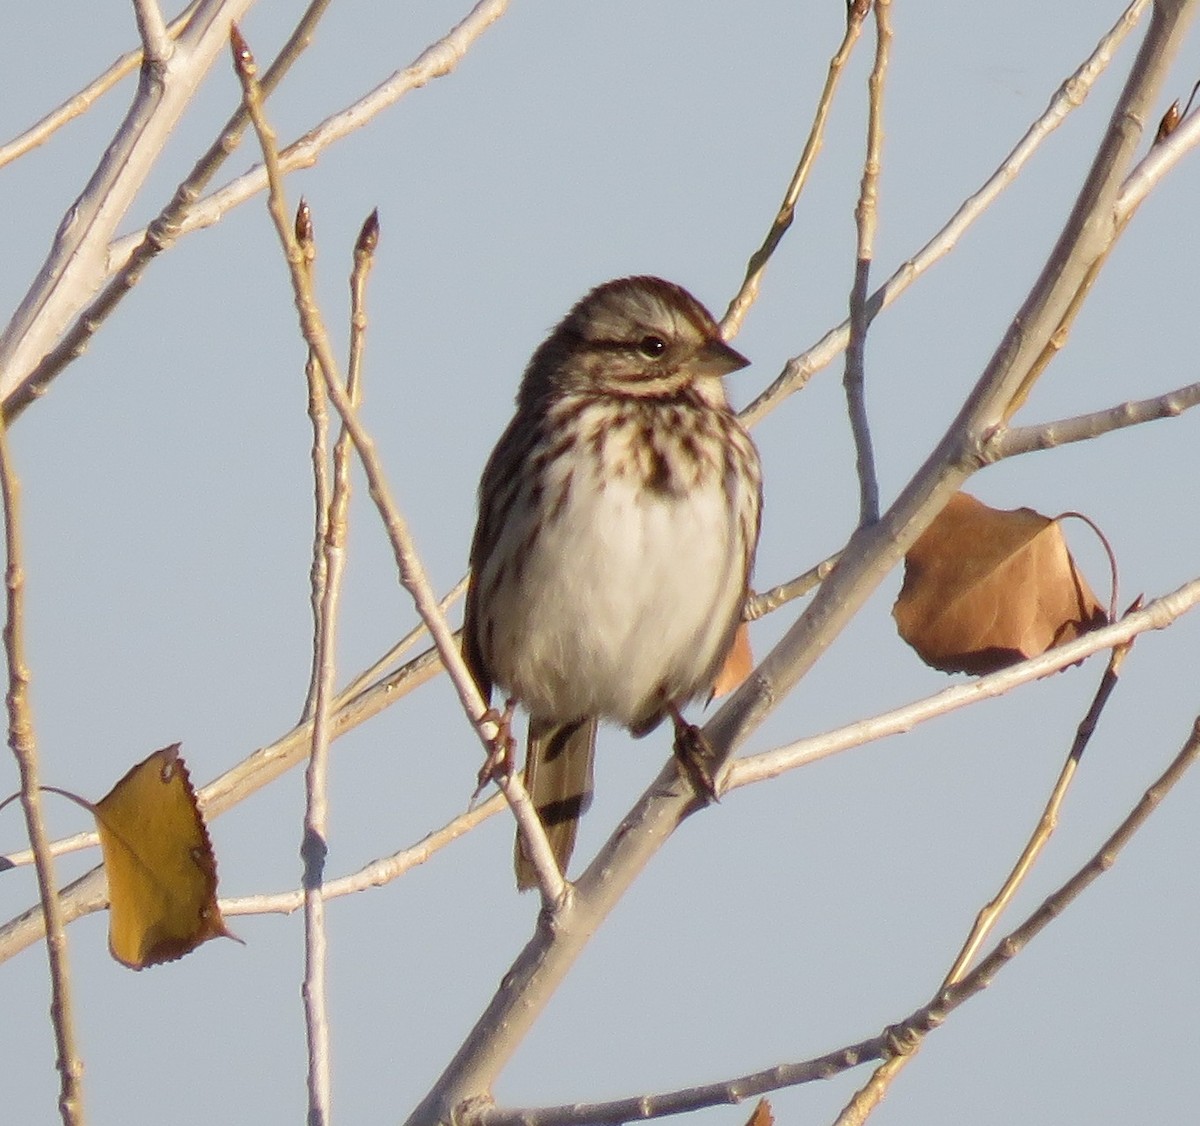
[(639, 346)]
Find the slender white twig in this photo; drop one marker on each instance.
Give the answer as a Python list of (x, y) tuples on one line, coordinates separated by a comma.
[(318, 415), (80, 102), (329, 556), (24, 748), (156, 40), (1156, 615), (78, 260), (435, 61), (315, 843), (870, 555), (747, 294), (896, 1039), (1011, 441), (759, 605), (866, 215), (408, 562), (87, 894), (329, 580), (1162, 157), (1069, 97), (160, 235), (373, 875)]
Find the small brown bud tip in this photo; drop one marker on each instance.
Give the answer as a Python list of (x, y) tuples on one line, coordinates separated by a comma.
[(1169, 122), (368, 237), (1174, 116), (243, 59), (857, 10), (304, 223)]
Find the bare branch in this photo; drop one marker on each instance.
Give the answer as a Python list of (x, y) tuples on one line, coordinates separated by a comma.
[(157, 45), (78, 104), (894, 1041), (1011, 441), (1069, 97), (759, 605), (373, 875), (78, 260), (731, 322), (24, 748), (866, 214), (160, 235), (318, 416), (1156, 615), (436, 61), (408, 562), (873, 1091)]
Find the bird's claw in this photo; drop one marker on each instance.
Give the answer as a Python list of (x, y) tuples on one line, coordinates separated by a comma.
[(498, 766), (695, 758)]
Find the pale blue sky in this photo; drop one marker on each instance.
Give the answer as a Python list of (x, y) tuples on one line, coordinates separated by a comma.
[(167, 505)]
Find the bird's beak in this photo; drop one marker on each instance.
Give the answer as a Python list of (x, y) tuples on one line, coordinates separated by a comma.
[(717, 358)]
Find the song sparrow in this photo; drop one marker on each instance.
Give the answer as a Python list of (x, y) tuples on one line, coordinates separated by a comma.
[(618, 519)]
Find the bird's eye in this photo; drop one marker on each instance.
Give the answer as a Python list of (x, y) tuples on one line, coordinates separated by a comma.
[(652, 346)]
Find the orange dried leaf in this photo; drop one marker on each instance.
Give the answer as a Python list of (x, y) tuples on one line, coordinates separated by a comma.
[(162, 875), (984, 588), (762, 1115), (738, 663)]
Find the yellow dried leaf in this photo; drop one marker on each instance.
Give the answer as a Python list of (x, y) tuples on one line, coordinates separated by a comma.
[(162, 874)]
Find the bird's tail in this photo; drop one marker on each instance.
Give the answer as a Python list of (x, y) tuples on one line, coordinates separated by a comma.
[(558, 776)]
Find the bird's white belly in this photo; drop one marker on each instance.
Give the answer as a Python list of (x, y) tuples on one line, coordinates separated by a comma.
[(623, 602)]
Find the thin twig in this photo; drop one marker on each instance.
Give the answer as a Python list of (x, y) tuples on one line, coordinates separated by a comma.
[(318, 415), (866, 215), (78, 260), (1158, 614), (80, 102), (157, 44), (87, 893), (24, 748), (759, 605), (373, 875), (895, 1039), (869, 1096), (316, 833), (141, 249), (436, 61), (1162, 157), (1011, 441), (731, 322), (1047, 823), (408, 563), (1069, 97), (329, 545)]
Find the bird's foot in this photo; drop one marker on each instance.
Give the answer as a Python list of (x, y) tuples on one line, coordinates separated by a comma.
[(695, 758), (498, 765)]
